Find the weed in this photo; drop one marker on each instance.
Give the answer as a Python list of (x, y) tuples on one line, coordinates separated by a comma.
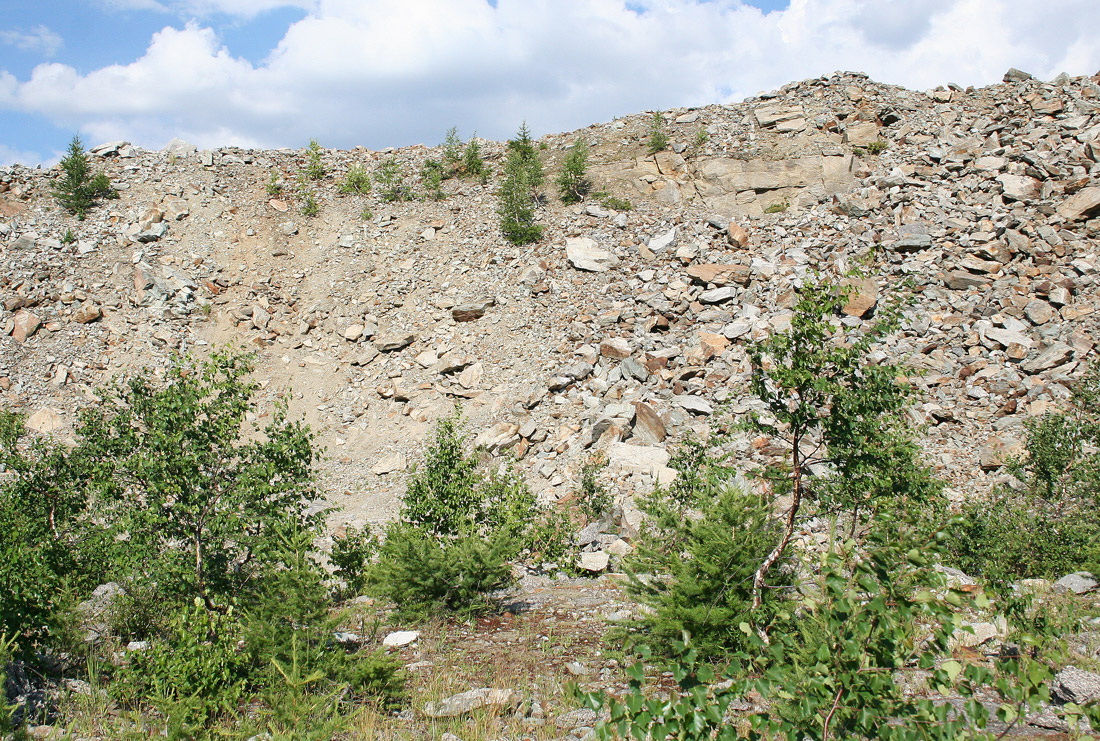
[(315, 169), (274, 184), (658, 139), (309, 205), (778, 207), (357, 180), (68, 237)]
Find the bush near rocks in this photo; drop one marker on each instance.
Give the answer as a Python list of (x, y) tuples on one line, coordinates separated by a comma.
[(78, 190)]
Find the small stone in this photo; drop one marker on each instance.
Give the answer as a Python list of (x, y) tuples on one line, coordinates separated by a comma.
[(26, 324), (466, 702), (87, 313), (1080, 582), (395, 342), (648, 427), (400, 638), (1075, 685), (390, 464), (663, 241), (1051, 357), (1038, 312), (736, 235), (595, 561), (471, 311), (617, 348), (584, 254)]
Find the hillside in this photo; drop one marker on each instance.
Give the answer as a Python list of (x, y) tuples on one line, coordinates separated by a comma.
[(621, 332)]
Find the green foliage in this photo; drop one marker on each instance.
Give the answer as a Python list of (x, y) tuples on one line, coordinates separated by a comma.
[(820, 388), (459, 528), (594, 498), (1050, 526), (391, 182), (658, 139), (516, 204), (202, 508), (274, 184), (573, 183), (423, 575), (613, 202), (702, 540), (68, 237), (366, 215), (351, 556), (877, 147), (524, 148), (195, 673), (315, 169), (50, 546), (702, 136), (357, 180), (7, 711), (778, 207), (431, 175), (452, 150), (836, 666), (309, 205), (473, 165), (78, 190)]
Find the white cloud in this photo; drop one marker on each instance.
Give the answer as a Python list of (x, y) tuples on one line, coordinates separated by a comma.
[(389, 72), (10, 156), (39, 39)]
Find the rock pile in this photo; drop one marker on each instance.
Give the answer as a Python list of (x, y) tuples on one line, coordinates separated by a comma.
[(620, 331)]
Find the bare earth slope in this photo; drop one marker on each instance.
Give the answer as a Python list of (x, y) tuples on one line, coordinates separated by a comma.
[(984, 205)]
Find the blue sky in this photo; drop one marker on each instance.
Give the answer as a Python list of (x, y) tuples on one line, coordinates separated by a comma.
[(394, 72)]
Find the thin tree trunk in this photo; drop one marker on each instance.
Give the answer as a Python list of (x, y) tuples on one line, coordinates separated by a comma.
[(796, 502)]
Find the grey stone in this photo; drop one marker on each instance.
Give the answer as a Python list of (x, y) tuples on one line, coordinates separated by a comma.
[(584, 254), (1075, 685), (1080, 582), (466, 702)]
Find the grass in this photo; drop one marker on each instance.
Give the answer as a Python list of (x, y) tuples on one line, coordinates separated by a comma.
[(526, 651)]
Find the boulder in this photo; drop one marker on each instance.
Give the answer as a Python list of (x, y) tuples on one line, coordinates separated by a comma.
[(467, 702), (584, 254)]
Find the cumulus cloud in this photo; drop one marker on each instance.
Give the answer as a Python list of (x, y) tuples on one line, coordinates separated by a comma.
[(11, 156), (391, 72), (39, 40)]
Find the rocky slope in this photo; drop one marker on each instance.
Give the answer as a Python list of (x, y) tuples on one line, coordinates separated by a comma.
[(619, 331)]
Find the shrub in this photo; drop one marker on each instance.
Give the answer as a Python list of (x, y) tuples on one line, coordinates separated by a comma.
[(199, 661), (573, 184), (315, 169), (702, 136), (658, 139), (51, 545), (778, 207), (352, 553), (1051, 525), (423, 575), (68, 237), (431, 175), (835, 667), (458, 529), (274, 184), (452, 151), (877, 147), (821, 386), (309, 205), (516, 204), (613, 202), (472, 164), (700, 545), (357, 180), (7, 711), (78, 190), (595, 500), (524, 148), (391, 182), (203, 509)]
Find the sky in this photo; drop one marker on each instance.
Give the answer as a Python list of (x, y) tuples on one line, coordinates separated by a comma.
[(378, 73)]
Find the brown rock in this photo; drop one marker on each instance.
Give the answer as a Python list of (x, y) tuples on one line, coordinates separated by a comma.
[(26, 324), (87, 313), (471, 311), (713, 344), (737, 235), (1080, 205), (648, 427), (617, 348), (863, 298), (721, 275)]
